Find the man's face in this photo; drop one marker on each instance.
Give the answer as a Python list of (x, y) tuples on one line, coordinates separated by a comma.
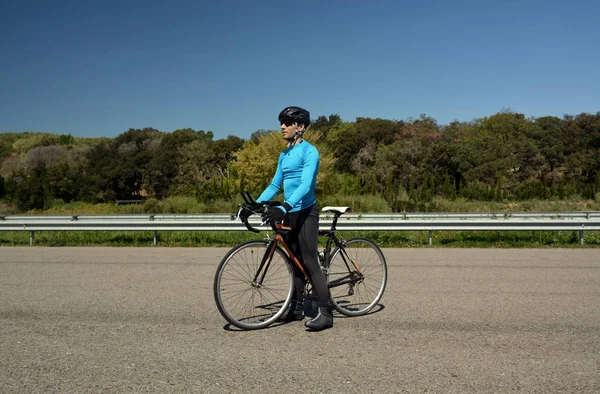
[(289, 129)]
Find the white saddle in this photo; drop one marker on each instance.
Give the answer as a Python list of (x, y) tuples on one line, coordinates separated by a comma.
[(338, 210)]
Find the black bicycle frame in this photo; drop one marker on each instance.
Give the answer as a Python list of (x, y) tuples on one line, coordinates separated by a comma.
[(354, 275)]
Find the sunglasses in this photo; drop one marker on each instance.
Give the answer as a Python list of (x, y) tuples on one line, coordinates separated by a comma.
[(288, 123)]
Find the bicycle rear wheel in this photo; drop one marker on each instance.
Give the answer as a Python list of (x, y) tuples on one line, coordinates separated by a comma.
[(245, 299), (357, 276)]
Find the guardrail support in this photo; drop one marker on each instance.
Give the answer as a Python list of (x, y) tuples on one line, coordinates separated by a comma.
[(430, 238), (31, 238), (581, 237), (155, 237)]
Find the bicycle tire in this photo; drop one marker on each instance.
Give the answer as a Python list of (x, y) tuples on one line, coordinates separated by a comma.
[(239, 300), (357, 297)]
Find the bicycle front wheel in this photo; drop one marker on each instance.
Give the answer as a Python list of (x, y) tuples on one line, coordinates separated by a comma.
[(357, 276), (251, 288)]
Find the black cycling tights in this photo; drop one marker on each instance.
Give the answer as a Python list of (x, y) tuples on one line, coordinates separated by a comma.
[(303, 239)]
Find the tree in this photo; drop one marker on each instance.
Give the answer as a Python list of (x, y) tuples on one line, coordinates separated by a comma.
[(549, 135), (196, 165), (116, 169), (224, 151), (362, 163), (43, 155), (323, 124), (160, 177), (581, 138), (32, 191), (377, 131), (5, 150), (256, 162), (343, 140)]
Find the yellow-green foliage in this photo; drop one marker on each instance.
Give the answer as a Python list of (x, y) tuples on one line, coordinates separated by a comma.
[(255, 163), (327, 160), (22, 145)]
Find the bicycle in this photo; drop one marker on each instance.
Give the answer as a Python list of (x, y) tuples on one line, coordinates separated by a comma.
[(254, 282)]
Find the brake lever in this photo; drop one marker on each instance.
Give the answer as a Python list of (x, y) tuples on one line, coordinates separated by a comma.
[(239, 211)]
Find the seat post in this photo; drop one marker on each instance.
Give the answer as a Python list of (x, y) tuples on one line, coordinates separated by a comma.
[(335, 220)]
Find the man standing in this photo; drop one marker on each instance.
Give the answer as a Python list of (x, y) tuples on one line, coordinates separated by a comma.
[(297, 170)]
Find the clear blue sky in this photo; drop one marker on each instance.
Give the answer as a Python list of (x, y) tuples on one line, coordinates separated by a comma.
[(98, 68)]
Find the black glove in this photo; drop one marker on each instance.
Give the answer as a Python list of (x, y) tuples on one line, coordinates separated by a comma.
[(250, 210), (276, 214)]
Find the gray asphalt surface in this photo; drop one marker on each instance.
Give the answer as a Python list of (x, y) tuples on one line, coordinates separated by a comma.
[(102, 320)]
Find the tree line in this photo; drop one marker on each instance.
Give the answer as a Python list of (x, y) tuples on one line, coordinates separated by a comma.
[(506, 156)]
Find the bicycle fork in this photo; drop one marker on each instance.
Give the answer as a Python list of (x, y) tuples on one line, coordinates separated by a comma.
[(261, 272)]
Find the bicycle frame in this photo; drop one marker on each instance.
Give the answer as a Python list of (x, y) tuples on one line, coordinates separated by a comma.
[(353, 277), (266, 260)]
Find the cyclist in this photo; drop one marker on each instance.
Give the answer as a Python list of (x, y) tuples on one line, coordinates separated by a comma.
[(297, 170)]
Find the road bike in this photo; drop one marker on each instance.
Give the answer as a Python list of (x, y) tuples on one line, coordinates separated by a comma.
[(254, 282)]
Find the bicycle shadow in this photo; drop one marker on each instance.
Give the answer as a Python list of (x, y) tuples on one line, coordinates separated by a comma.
[(309, 313), (376, 309), (231, 328)]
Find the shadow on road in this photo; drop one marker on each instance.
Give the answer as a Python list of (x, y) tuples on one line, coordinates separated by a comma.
[(378, 308), (231, 328)]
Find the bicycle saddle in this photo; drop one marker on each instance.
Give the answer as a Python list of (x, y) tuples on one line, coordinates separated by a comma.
[(336, 210)]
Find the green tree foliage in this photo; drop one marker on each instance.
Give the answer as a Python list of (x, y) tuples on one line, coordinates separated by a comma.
[(500, 157), (346, 139), (344, 142), (5, 150), (548, 134), (133, 151), (323, 124), (224, 150), (197, 165), (66, 139), (166, 160)]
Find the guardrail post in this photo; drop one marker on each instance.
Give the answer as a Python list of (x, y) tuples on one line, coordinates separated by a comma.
[(430, 238), (31, 238), (581, 237), (155, 237)]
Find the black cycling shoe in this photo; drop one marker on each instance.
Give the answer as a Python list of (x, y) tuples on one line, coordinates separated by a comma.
[(324, 318), (294, 313)]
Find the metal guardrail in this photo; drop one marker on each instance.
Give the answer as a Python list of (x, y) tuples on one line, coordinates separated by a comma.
[(551, 221)]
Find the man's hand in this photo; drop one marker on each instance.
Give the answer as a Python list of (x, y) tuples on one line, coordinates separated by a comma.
[(276, 214)]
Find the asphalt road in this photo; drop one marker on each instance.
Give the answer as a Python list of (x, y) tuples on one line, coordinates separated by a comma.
[(128, 320)]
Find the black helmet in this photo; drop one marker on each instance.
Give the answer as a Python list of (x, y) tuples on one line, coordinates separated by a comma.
[(295, 114)]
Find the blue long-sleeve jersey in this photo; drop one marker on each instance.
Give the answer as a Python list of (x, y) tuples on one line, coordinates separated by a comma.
[(297, 170)]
